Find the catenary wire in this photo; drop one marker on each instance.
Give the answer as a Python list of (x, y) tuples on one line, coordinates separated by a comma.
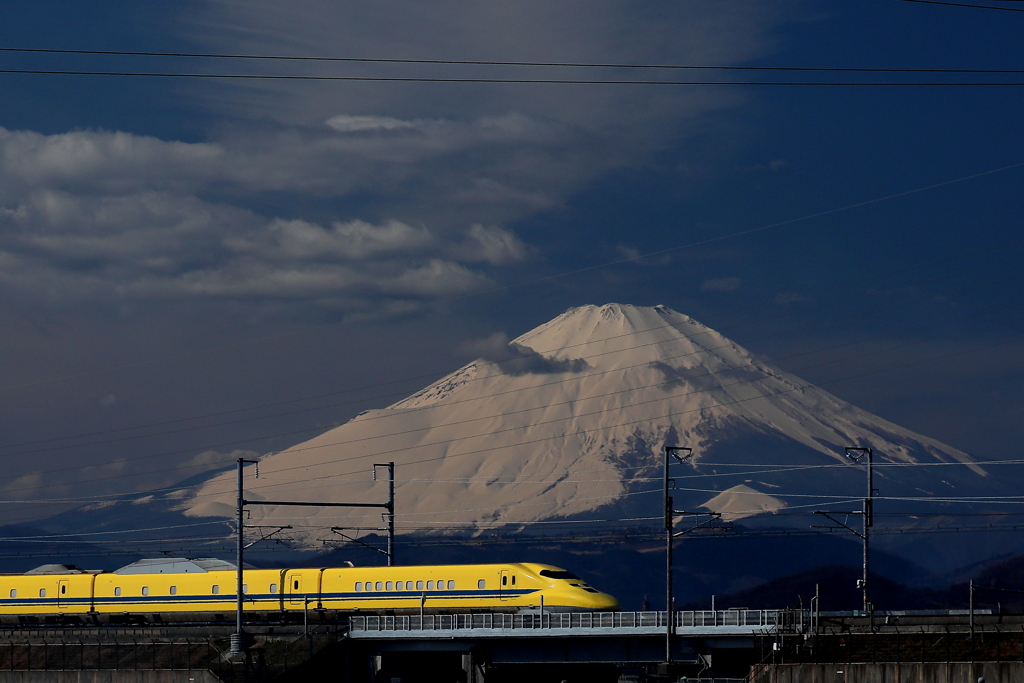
[(479, 62), (498, 81), (484, 450)]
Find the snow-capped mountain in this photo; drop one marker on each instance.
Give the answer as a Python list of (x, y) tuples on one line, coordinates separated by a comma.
[(570, 422)]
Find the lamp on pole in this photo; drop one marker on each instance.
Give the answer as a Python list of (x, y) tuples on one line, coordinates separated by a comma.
[(670, 452)]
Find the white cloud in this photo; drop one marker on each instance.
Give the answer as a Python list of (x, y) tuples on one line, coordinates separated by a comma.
[(492, 346), (359, 124), (493, 244), (722, 284), (383, 193)]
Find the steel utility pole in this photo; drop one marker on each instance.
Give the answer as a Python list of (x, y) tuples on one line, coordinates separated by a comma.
[(867, 518), (670, 452), (390, 508), (671, 534), (867, 515), (239, 635)]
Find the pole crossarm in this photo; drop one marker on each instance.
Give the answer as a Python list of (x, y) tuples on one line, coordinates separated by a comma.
[(712, 518), (265, 536), (828, 514), (315, 504), (339, 530), (996, 590)]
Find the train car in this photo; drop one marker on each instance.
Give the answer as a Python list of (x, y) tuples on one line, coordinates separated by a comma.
[(178, 585), (503, 587), (49, 589), (178, 589)]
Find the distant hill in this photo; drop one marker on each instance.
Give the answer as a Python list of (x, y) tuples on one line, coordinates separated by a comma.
[(839, 592)]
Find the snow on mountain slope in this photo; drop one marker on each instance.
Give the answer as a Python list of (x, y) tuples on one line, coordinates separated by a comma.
[(571, 423)]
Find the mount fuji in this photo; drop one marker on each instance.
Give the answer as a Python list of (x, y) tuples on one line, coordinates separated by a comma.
[(568, 422)]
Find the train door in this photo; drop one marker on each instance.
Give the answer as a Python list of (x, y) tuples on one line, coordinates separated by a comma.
[(503, 585), (293, 588), (62, 594)]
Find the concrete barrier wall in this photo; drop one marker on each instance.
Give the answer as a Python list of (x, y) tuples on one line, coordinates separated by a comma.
[(928, 672), (109, 676)]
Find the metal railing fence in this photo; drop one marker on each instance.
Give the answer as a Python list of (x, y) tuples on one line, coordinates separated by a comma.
[(766, 619)]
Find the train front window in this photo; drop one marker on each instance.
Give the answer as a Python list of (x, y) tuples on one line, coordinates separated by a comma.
[(559, 574)]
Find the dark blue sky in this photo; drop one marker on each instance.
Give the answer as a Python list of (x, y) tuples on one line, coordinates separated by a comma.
[(175, 247)]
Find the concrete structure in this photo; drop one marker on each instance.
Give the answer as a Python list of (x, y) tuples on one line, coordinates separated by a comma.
[(928, 672)]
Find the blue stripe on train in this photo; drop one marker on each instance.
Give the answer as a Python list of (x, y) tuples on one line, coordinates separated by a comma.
[(266, 598)]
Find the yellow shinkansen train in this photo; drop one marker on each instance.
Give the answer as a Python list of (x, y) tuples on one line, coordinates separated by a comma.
[(179, 589)]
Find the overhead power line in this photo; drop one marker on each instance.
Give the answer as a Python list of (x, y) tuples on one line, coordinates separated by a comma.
[(532, 424), (517, 63), (965, 4), (534, 81)]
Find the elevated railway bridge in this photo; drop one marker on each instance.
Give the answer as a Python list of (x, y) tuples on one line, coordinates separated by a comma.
[(773, 646), (475, 648)]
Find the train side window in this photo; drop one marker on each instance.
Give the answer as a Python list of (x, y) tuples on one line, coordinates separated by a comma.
[(482, 583), (216, 590), (174, 590), (379, 586), (513, 579), (368, 586), (273, 588), (296, 586), (145, 590), (451, 585), (359, 586), (430, 585), (14, 592), (63, 589), (390, 585), (440, 585), (245, 588), (42, 592), (504, 580), (419, 585), (117, 592)]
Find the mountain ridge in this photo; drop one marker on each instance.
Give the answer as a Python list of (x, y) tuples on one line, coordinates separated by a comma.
[(576, 431)]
